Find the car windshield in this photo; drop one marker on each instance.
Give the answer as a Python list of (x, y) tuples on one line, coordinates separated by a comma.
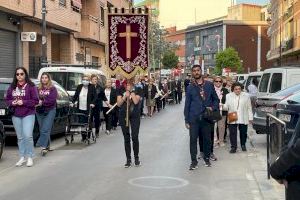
[(263, 86), (3, 88), (288, 91)]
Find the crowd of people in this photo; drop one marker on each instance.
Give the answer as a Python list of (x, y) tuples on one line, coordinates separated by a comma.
[(28, 102)]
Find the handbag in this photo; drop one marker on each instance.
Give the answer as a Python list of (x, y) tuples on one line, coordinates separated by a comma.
[(212, 116), (233, 116)]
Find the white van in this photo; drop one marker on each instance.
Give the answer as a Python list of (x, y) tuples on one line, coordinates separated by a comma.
[(70, 77), (276, 79), (240, 77)]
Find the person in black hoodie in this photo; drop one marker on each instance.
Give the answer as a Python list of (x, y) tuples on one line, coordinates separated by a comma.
[(286, 169), (150, 94), (85, 96), (111, 96)]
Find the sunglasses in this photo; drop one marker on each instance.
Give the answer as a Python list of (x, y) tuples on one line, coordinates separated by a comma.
[(19, 74), (218, 81)]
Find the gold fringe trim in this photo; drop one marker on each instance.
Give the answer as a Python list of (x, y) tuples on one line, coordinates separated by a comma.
[(119, 71)]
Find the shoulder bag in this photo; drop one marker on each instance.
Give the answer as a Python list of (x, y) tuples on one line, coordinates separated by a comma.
[(233, 116)]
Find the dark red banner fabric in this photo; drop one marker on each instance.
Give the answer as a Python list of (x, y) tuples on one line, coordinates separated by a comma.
[(128, 44)]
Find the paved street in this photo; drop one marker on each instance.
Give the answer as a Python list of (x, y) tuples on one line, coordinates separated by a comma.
[(79, 172)]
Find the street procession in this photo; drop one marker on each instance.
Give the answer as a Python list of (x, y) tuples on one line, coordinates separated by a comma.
[(149, 99)]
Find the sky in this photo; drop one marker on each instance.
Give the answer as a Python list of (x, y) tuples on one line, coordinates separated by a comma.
[(181, 15)]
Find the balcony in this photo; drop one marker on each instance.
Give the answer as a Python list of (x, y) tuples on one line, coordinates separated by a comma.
[(288, 13), (90, 28), (289, 44), (17, 7)]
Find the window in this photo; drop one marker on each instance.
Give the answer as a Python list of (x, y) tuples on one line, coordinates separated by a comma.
[(74, 79), (204, 40), (276, 80), (288, 91), (102, 16), (207, 56), (263, 86), (63, 3), (95, 60), (59, 77), (3, 88)]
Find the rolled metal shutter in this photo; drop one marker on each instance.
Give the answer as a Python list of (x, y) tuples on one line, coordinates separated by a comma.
[(7, 53)]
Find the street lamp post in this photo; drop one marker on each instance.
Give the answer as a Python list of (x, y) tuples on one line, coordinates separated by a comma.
[(44, 29)]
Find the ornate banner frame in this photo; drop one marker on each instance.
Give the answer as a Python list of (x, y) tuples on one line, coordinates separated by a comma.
[(128, 44)]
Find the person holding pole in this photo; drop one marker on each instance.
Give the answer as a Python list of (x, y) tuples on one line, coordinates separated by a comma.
[(128, 100)]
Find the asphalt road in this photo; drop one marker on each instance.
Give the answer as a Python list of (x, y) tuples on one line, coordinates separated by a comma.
[(96, 172)]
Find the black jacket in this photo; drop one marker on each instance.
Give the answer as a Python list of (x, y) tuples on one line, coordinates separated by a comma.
[(100, 97), (113, 96), (178, 86), (91, 95), (223, 100), (153, 91)]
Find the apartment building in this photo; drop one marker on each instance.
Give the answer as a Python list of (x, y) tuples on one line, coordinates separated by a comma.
[(244, 28), (76, 32), (284, 32)]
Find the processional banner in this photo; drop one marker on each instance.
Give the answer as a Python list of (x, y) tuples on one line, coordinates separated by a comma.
[(128, 44)]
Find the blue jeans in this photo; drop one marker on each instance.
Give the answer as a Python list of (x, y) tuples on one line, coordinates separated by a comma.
[(24, 128), (45, 124)]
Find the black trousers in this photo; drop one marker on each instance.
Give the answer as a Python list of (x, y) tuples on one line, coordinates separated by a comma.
[(212, 137), (96, 118), (135, 128), (115, 117), (163, 102), (142, 106), (243, 128), (158, 104), (108, 119), (178, 96), (202, 130), (293, 191)]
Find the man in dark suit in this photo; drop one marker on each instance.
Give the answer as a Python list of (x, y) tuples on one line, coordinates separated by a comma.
[(200, 96), (187, 82), (178, 90)]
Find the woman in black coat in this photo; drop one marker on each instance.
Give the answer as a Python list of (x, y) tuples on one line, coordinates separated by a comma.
[(111, 96), (85, 96)]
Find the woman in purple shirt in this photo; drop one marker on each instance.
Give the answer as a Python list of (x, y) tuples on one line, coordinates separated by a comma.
[(46, 110), (22, 97)]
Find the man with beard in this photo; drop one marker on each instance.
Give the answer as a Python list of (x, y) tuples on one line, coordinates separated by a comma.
[(200, 96)]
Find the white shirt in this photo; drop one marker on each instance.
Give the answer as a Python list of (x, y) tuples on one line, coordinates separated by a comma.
[(107, 94), (252, 90), (83, 99)]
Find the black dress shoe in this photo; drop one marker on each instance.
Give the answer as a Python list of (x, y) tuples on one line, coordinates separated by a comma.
[(244, 148), (232, 151)]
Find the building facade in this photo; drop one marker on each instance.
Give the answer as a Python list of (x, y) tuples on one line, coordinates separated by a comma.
[(177, 37), (76, 33), (284, 32), (248, 37)]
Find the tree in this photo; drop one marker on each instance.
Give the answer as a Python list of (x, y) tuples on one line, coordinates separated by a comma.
[(157, 44), (170, 60), (228, 58)]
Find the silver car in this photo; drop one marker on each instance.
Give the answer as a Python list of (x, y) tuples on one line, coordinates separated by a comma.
[(268, 104)]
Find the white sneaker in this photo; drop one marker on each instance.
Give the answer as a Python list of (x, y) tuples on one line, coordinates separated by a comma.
[(29, 162), (21, 162)]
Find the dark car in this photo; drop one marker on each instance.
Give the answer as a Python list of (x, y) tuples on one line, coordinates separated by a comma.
[(62, 109), (288, 111), (2, 138), (267, 104)]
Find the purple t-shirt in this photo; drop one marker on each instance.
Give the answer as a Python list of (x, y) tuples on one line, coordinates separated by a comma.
[(29, 95), (48, 96)]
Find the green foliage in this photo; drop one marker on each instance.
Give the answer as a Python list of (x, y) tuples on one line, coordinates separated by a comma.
[(228, 58), (157, 44), (170, 60)]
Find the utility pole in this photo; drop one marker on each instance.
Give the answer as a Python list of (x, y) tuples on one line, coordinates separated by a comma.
[(44, 30)]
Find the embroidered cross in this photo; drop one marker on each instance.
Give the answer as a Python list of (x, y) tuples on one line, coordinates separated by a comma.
[(128, 35)]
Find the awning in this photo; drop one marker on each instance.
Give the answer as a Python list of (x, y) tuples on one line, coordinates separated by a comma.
[(77, 4)]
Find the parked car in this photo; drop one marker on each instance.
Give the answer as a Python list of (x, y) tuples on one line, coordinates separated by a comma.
[(276, 79), (250, 78), (2, 138), (288, 111), (62, 110), (70, 77), (267, 104)]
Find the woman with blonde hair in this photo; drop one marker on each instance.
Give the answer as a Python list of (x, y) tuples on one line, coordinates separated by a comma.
[(150, 93), (46, 111)]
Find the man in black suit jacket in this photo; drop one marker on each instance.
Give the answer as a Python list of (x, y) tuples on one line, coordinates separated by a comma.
[(178, 91)]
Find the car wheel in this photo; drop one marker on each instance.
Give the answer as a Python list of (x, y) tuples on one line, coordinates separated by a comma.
[(259, 132), (1, 144)]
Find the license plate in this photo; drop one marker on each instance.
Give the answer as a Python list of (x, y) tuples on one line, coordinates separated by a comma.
[(76, 129), (2, 111), (267, 109), (284, 117)]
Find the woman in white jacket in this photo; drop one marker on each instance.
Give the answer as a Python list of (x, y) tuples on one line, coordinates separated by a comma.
[(239, 102)]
